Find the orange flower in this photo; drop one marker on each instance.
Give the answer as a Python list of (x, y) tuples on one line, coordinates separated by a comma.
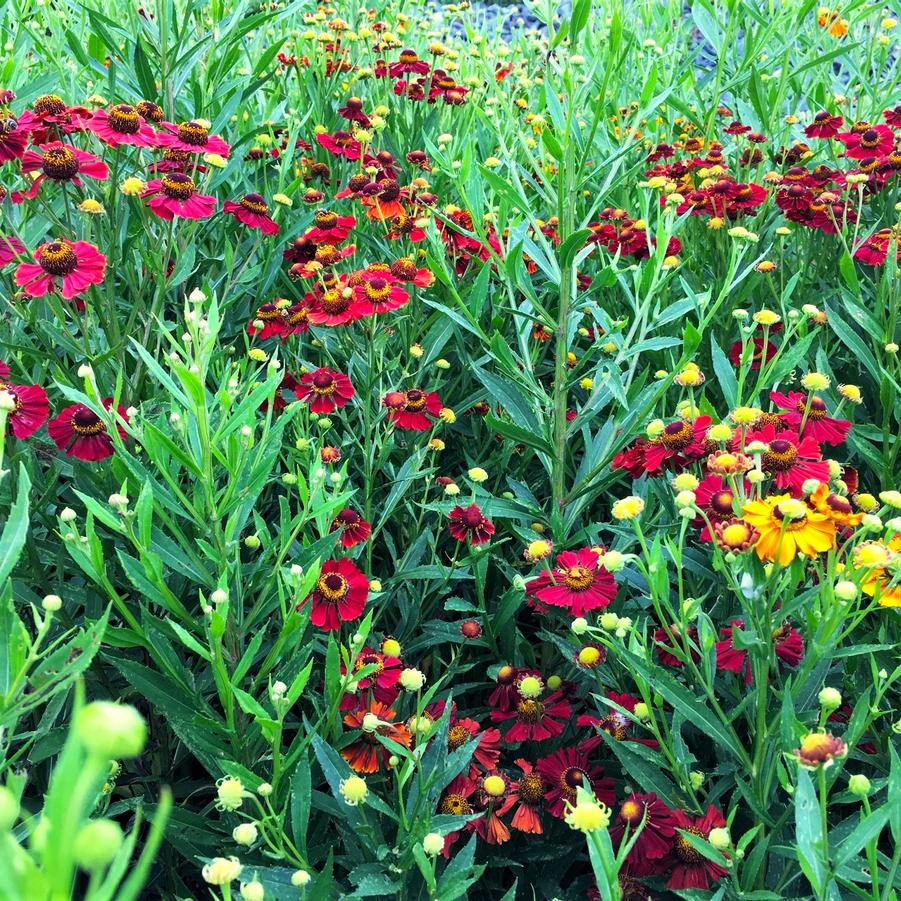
[(363, 754), (835, 507), (788, 527)]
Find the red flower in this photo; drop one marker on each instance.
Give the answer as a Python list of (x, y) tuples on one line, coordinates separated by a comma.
[(353, 111), (469, 523), (354, 529), (715, 496), (273, 317), (77, 263), (330, 228), (874, 250), (122, 124), (824, 125), (253, 211), (690, 868), (176, 195), (81, 433), (378, 292), (10, 248), (456, 802), (789, 459), (488, 750), (408, 61), (616, 724), (817, 424), (326, 389), (735, 352), (363, 754), (192, 137), (663, 639), (340, 594), (506, 696), (787, 644), (535, 720), (59, 162), (567, 770), (528, 792), (406, 270), (578, 583), (31, 405), (657, 835), (13, 139), (875, 141), (679, 443), (382, 682), (341, 143), (410, 410), (335, 306)]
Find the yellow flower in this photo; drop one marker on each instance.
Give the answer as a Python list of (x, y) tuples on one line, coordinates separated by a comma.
[(354, 790), (815, 381), (132, 186), (628, 507), (89, 205), (477, 474), (446, 414), (787, 527), (587, 816), (215, 159), (766, 318), (851, 393)]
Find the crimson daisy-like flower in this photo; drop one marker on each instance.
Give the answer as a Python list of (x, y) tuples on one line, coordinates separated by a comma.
[(10, 248), (817, 424), (824, 125), (789, 459), (330, 228), (354, 529), (122, 124), (506, 695), (82, 434), (407, 62), (691, 870), (759, 345), (253, 211), (615, 723), (534, 719), (13, 139), (488, 751), (365, 754), (577, 583), (192, 137), (716, 497), (878, 140), (458, 801), (874, 250), (59, 162), (325, 389), (335, 306), (528, 792), (76, 264), (31, 407), (567, 770), (470, 524), (413, 410), (679, 443), (383, 682), (788, 646), (175, 194), (378, 292), (341, 143), (339, 596), (657, 835), (405, 269), (274, 321)]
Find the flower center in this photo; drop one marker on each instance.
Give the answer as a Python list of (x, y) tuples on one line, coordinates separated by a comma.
[(780, 456), (326, 219), (174, 155), (332, 586), (472, 517), (254, 203), (49, 105), (85, 422), (57, 258), (721, 502), (178, 186), (334, 302), (370, 660), (403, 268), (150, 110), (408, 56), (614, 725), (193, 133), (530, 711), (457, 736), (870, 138), (685, 851), (571, 779), (296, 314), (631, 812), (268, 312), (531, 789), (124, 119), (676, 436), (457, 805), (60, 163), (377, 289), (816, 409), (839, 504), (323, 383), (327, 254), (415, 400), (578, 578)]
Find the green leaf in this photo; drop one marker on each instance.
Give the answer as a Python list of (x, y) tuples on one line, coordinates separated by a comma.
[(15, 530), (301, 795), (809, 836)]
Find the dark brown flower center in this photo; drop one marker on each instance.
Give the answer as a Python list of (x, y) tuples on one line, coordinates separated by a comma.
[(816, 409), (415, 400), (85, 422), (530, 711), (324, 383), (780, 455), (150, 110), (178, 186), (472, 517), (631, 812), (404, 268), (870, 138), (326, 219), (49, 105), (721, 502), (685, 851), (456, 805), (531, 789), (457, 736), (193, 133), (254, 203), (124, 119), (60, 163), (578, 578), (571, 779), (676, 435), (332, 586), (334, 302), (58, 258)]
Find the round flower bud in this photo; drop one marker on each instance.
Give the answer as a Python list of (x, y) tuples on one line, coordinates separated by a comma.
[(375, 585), (245, 834), (222, 870), (433, 844), (719, 838), (52, 603), (641, 711), (609, 620), (494, 786), (300, 878), (830, 698), (613, 561), (696, 778), (412, 679), (859, 785), (815, 381), (845, 590), (354, 790), (531, 687), (891, 498), (685, 481), (219, 596), (554, 682), (477, 474), (685, 499), (627, 508), (111, 731), (68, 514), (230, 793), (97, 843), (391, 647), (371, 722), (579, 625), (253, 891), (252, 542), (264, 790)]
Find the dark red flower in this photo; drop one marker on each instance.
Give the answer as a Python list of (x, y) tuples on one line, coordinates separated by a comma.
[(378, 292), (382, 683), (657, 834), (354, 529), (341, 143), (411, 410), (340, 594), (663, 640), (567, 770), (122, 124), (81, 433), (787, 644), (408, 61), (789, 459), (330, 228), (679, 443), (691, 870), (578, 583), (325, 389), (756, 356), (817, 424), (535, 720), (253, 211), (470, 524), (31, 405), (191, 137), (874, 249), (878, 140), (175, 194), (60, 163), (824, 125)]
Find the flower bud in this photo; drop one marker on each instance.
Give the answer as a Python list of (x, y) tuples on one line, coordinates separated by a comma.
[(245, 834), (300, 878), (830, 698), (97, 843), (859, 785), (111, 731), (433, 844)]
